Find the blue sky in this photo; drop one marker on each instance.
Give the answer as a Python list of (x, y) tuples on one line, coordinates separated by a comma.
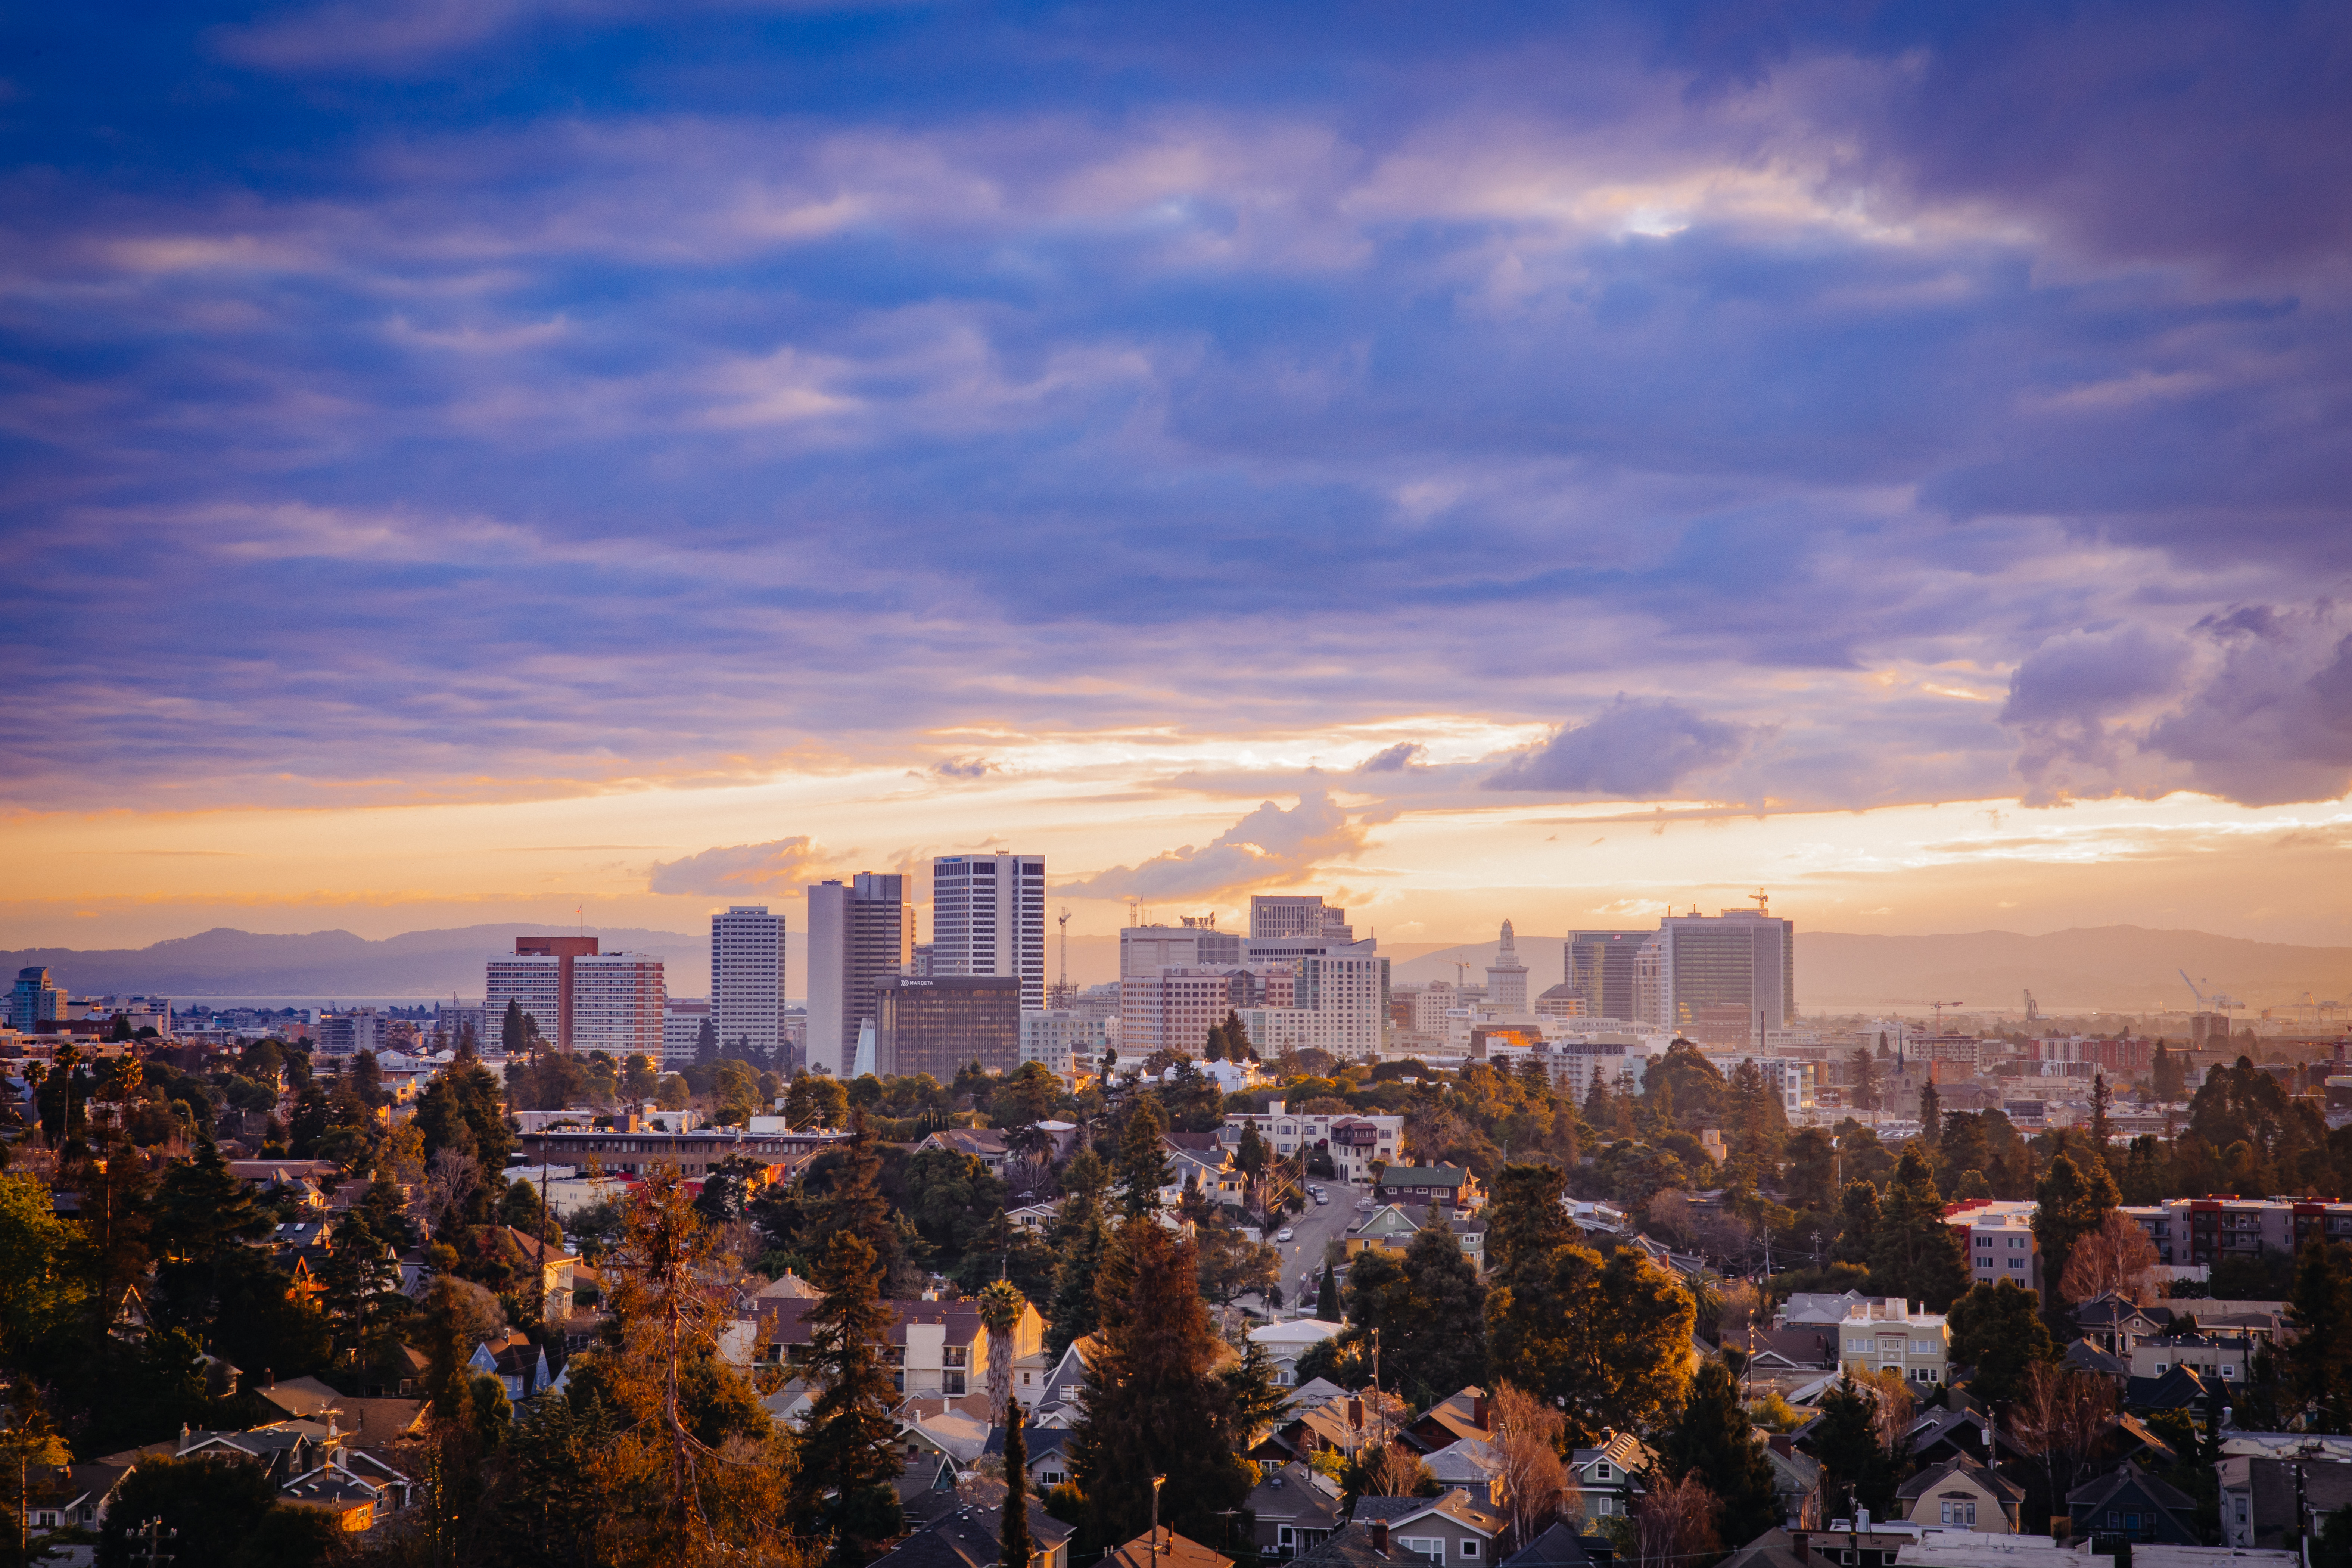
[(1757, 407)]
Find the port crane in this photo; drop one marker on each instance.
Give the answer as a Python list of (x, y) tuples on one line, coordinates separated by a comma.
[(2225, 1003)]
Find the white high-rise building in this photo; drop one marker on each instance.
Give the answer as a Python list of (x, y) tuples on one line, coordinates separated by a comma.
[(747, 979), (1063, 1040), (1727, 981), (682, 1021), (988, 917), (617, 1003), (857, 932), (1287, 915)]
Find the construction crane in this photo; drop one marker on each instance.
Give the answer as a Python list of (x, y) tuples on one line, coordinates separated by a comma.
[(1062, 986), (2216, 1000), (1938, 1006)]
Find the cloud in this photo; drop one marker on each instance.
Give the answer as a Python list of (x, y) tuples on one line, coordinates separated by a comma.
[(780, 865), (1635, 748), (1396, 759), (963, 768), (1268, 847), (2081, 678)]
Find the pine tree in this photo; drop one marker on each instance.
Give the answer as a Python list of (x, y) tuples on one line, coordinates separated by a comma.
[(1931, 1113), (1855, 1464), (852, 1201), (1142, 1161), (1915, 1254), (2319, 1306), (1715, 1440), (1997, 1332), (1079, 1237), (1429, 1310), (1326, 1299), (848, 1455), (1015, 1535), (2102, 1131), (1526, 1220), (1152, 1400), (1858, 1225), (514, 1032), (2070, 1203)]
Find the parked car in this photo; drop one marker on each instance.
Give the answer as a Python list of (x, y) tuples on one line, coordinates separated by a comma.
[(1322, 1197), (1282, 1235)]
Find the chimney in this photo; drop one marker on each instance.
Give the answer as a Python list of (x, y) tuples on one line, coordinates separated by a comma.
[(1355, 1413), (1782, 1443), (1379, 1535), (1478, 1410), (1801, 1541)]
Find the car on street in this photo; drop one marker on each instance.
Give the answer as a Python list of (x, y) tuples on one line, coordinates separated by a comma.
[(1282, 1235), (1322, 1197)]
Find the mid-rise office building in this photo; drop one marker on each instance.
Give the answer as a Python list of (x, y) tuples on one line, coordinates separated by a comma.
[(1727, 981), (940, 1024), (452, 1019), (747, 981), (1063, 1040), (682, 1024), (348, 1033), (1285, 916), (580, 999), (1600, 966), (34, 1001), (859, 932), (988, 917), (618, 1005)]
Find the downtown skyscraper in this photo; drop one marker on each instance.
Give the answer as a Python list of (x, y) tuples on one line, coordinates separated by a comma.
[(858, 931), (988, 917), (747, 980)]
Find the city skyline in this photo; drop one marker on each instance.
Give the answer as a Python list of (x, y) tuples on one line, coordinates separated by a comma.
[(535, 461)]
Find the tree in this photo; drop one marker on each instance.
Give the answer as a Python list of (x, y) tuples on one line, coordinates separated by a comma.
[(640, 1077), (952, 1197), (815, 1100), (1526, 1218), (1001, 1308), (726, 1189), (43, 1287), (202, 1213), (2118, 1260), (1915, 1254), (1609, 1343), (1997, 1330), (1673, 1525), (1865, 1080), (215, 1505), (1255, 1403), (848, 1458), (1142, 1160), (1151, 1403), (1855, 1463), (1714, 1441), (2059, 1416), (1081, 1237), (1528, 1436), (1013, 1534), (2319, 1309), (2167, 1078), (1327, 1297), (1428, 1309), (1858, 1225), (1931, 1113), (2070, 1203), (845, 1194)]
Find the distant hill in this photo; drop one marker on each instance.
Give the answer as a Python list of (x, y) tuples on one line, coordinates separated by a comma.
[(2111, 968), (333, 963)]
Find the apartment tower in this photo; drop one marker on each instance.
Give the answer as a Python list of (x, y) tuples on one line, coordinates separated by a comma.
[(747, 980), (858, 931), (988, 918)]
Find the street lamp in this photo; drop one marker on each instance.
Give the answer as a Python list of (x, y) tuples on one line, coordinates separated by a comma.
[(1157, 1482)]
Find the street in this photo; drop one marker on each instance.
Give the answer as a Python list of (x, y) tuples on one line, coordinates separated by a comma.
[(1322, 1223)]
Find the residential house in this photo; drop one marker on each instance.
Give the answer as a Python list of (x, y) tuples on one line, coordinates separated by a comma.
[(1961, 1494), (2179, 1389), (1601, 1479), (2212, 1356), (1344, 1424), (1453, 1528), (1956, 1434), (1474, 1466), (1796, 1481), (2116, 1326), (1354, 1143), (1164, 1548), (1296, 1510), (991, 1146), (1817, 1310), (61, 1498), (2132, 1504), (2259, 1496), (1997, 1234), (1559, 1546), (934, 1347), (966, 1535), (1893, 1335), (953, 1426), (1363, 1544), (1444, 1187), (1057, 1387), (1389, 1228), (1286, 1341), (515, 1362), (1464, 1414), (1048, 1451)]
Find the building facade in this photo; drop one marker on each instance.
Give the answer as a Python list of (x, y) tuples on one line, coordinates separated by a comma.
[(1063, 1039), (536, 976), (1283, 917), (1506, 977), (34, 1001), (988, 917), (747, 981), (1600, 966), (1735, 974), (1999, 1236), (941, 1023), (859, 932), (617, 1004), (682, 1022), (1890, 1335)]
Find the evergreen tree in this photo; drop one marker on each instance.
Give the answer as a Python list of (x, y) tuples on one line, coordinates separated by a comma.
[(202, 1213), (1429, 1310), (1609, 1343), (1715, 1440), (1996, 1331), (2071, 1201), (1142, 1161), (1526, 1218), (1931, 1113), (514, 1031), (1915, 1254), (851, 1201), (2167, 1078), (848, 1452), (1865, 1076), (1152, 1404), (2319, 1306), (1080, 1238), (1858, 1225), (1014, 1533), (2103, 1129), (1326, 1299), (1856, 1466)]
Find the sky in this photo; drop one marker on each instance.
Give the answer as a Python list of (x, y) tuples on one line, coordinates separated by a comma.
[(514, 459)]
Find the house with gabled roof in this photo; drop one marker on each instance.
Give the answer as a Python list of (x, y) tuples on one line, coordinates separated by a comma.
[(1960, 1494), (1602, 1478), (1453, 1528), (2131, 1503), (1296, 1509), (1465, 1413)]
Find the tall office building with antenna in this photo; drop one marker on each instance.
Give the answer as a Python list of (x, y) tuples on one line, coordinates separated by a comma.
[(988, 917)]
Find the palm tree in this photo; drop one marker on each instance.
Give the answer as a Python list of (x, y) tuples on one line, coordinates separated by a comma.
[(1001, 1307)]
